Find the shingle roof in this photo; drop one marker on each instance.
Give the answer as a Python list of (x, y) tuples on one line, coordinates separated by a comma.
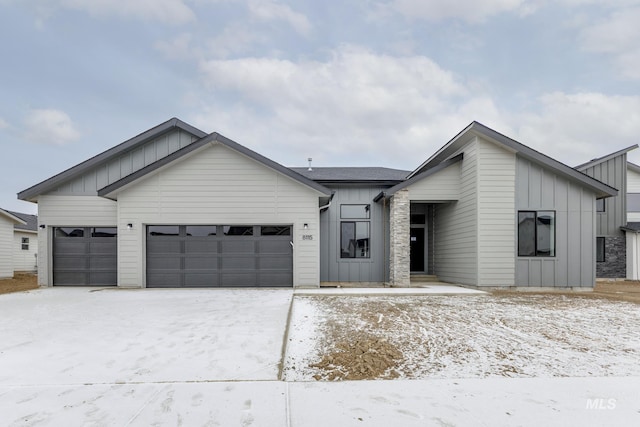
[(632, 226), (31, 221), (352, 174)]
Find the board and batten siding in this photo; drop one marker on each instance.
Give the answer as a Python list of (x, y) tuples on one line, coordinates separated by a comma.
[(496, 175), (537, 189), (456, 227), (336, 269), (441, 186), (126, 163), (68, 211), (217, 185), (633, 186), (6, 247), (25, 259), (612, 172)]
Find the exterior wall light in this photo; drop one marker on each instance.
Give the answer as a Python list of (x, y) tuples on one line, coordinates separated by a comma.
[(305, 226), (42, 226), (129, 226)]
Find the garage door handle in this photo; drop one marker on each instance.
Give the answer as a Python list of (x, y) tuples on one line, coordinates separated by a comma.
[(291, 243)]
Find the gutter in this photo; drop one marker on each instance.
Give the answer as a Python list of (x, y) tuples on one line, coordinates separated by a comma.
[(321, 208)]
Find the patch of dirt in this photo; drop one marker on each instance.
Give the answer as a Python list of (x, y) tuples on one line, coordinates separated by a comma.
[(20, 282), (362, 358), (620, 290)]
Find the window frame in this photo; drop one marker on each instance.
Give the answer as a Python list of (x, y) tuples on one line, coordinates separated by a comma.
[(25, 243), (604, 249), (601, 207), (552, 242), (345, 254)]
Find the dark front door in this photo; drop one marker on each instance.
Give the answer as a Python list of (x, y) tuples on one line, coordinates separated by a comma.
[(416, 248)]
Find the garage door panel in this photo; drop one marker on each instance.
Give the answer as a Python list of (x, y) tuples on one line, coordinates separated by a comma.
[(103, 278), (106, 247), (203, 256), (69, 278), (104, 262), (70, 247)]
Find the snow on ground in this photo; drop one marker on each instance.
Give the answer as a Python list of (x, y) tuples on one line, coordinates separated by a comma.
[(80, 336), (472, 336)]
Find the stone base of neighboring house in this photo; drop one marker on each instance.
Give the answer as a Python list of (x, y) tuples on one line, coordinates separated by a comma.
[(615, 255)]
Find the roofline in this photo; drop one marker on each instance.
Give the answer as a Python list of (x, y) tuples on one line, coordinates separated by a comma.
[(605, 158), (478, 129), (213, 138), (129, 144), (12, 217), (443, 165)]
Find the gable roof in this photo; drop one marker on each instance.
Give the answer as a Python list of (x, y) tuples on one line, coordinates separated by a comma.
[(12, 217), (55, 181), (633, 167), (603, 159), (476, 129), (31, 221), (352, 174), (214, 138)]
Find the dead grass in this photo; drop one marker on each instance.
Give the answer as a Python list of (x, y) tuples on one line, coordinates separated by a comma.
[(21, 282), (625, 290)]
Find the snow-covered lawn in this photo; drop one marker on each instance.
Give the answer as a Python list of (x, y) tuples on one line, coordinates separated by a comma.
[(464, 337)]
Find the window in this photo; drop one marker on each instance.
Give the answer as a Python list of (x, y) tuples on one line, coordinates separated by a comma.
[(201, 230), (275, 230), (104, 232), (25, 243), (354, 239), (537, 233), (69, 232), (600, 207), (163, 230), (600, 249), (238, 230), (355, 211)]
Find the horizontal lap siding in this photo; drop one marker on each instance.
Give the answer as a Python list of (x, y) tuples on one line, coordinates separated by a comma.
[(59, 211), (24, 260), (456, 227), (574, 264), (6, 245), (633, 186), (216, 185), (496, 220), (443, 185)]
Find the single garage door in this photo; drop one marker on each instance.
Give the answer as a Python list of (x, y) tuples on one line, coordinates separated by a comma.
[(85, 256), (219, 256)]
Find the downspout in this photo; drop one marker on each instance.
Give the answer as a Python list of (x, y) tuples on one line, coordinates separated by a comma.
[(384, 239), (321, 208)]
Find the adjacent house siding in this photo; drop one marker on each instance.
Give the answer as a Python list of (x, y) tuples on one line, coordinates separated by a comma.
[(336, 269), (6, 243), (612, 172), (496, 172), (25, 260), (574, 264), (216, 185), (59, 211), (443, 185), (633, 187), (89, 183), (456, 227)]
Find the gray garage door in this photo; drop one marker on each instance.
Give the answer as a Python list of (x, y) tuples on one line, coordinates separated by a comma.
[(219, 256), (85, 256)]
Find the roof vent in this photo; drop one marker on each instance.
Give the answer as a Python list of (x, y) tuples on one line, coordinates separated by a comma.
[(310, 160)]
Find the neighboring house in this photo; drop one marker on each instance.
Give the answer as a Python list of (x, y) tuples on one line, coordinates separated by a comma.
[(632, 228), (176, 207), (25, 243), (7, 222)]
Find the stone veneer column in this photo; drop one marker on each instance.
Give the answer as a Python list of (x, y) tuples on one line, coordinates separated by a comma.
[(399, 227)]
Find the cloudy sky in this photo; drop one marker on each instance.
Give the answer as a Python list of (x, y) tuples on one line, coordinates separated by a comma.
[(349, 83)]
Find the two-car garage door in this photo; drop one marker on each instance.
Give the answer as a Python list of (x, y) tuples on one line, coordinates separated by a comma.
[(219, 256)]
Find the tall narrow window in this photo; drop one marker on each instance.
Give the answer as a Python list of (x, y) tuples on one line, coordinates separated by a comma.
[(600, 205), (25, 243), (537, 233), (354, 235), (600, 249)]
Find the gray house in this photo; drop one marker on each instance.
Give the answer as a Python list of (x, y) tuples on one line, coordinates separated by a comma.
[(176, 207)]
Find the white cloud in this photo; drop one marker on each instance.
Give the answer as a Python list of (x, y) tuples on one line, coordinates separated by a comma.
[(3, 123), (270, 10), (473, 11), (352, 108), (178, 48), (166, 11), (617, 35), (50, 126), (575, 128)]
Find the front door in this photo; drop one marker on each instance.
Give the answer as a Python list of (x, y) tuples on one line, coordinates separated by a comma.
[(416, 250)]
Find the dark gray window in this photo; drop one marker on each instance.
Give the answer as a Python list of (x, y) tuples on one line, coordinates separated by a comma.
[(418, 219), (537, 233), (600, 205), (238, 230), (163, 230), (201, 230), (354, 239), (25, 243), (104, 232), (69, 232), (633, 202), (355, 211), (600, 249), (275, 230)]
